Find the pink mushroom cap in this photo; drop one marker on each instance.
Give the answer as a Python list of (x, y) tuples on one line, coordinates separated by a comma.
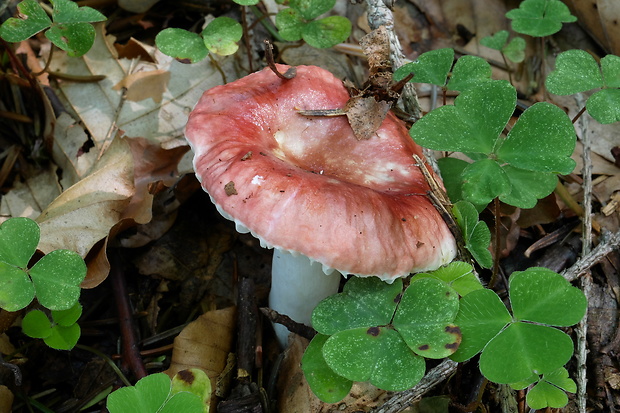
[(307, 185)]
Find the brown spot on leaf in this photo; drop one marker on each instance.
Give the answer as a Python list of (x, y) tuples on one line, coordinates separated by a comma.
[(424, 347), (229, 188), (452, 329), (452, 346), (373, 331), (187, 376)]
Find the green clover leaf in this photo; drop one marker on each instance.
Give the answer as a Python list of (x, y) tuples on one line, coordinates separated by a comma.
[(364, 302), (540, 17), (326, 32), (57, 277), (476, 233), (311, 9), (430, 67), (290, 24), (513, 348), (153, 394), (518, 169), (576, 71), (425, 318), (458, 275), (221, 36), (324, 383), (181, 44), (18, 29), (62, 333), (368, 354)]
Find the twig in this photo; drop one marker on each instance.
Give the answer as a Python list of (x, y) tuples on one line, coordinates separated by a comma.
[(292, 326), (130, 351), (586, 281), (380, 15), (400, 401), (607, 244)]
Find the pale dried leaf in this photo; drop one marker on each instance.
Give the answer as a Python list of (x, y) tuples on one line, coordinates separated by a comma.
[(144, 85), (84, 214), (28, 199), (102, 109), (205, 344), (600, 19)]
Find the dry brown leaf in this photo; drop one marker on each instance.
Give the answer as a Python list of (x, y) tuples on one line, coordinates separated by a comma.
[(84, 214), (144, 85), (600, 19), (27, 199), (205, 344), (6, 399)]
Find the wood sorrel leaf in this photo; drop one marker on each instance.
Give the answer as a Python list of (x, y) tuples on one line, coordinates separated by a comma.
[(610, 65), (68, 12), (221, 35), (481, 316), (425, 316), (473, 124), (476, 234), (496, 41), (544, 394), (527, 187), (458, 275), (74, 38), (16, 289), (289, 23), (543, 139), (147, 396), (430, 67), (376, 354), (19, 238), (324, 383), (468, 72), (604, 106), (35, 19), (575, 71), (560, 378), (364, 302), (543, 296), (483, 181), (57, 277), (523, 348), (326, 32), (540, 17), (311, 9), (181, 44)]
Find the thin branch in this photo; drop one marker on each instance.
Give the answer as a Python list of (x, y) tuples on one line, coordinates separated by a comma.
[(581, 330), (400, 401), (607, 243)]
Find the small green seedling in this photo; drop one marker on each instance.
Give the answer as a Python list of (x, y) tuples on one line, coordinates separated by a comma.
[(299, 21), (70, 27), (540, 18), (519, 168), (61, 333), (55, 279), (549, 390), (476, 234), (576, 71), (513, 50), (220, 36), (368, 326), (189, 391)]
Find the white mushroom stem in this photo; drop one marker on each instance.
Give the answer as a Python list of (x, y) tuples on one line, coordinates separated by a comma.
[(297, 286)]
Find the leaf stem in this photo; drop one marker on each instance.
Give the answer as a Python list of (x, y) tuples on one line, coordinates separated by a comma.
[(497, 245), (108, 360)]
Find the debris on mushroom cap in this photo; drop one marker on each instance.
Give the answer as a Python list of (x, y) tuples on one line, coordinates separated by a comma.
[(310, 186)]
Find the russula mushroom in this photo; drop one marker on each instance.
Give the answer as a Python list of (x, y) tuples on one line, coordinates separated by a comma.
[(305, 186)]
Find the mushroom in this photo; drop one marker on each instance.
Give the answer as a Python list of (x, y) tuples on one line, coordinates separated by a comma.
[(327, 203)]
